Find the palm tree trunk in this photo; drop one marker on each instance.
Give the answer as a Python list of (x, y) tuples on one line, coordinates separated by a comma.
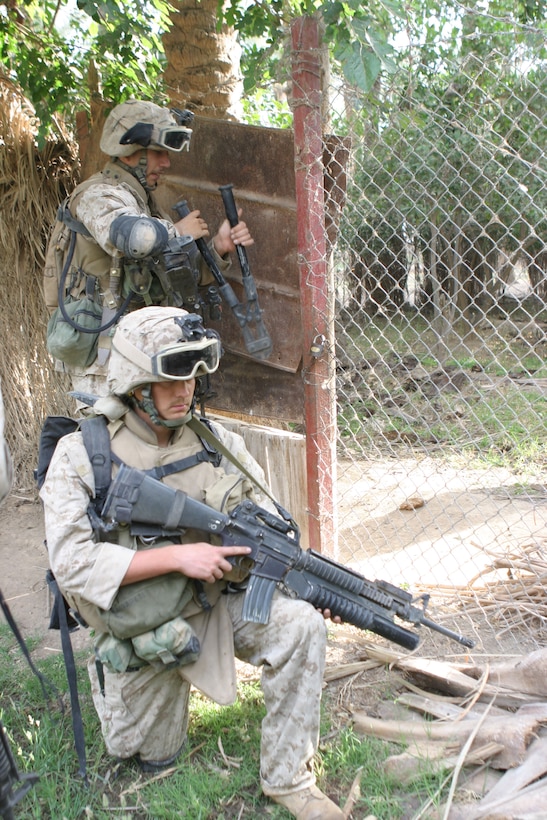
[(202, 71)]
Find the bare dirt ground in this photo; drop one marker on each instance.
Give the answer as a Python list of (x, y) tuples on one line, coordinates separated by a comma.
[(23, 559)]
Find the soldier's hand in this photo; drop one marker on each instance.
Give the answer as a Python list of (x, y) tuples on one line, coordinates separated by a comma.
[(327, 615), (227, 238), (192, 225), (205, 562)]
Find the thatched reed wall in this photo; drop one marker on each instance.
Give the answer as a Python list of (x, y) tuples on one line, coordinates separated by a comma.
[(32, 184)]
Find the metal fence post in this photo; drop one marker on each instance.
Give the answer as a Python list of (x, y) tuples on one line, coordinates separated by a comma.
[(316, 292)]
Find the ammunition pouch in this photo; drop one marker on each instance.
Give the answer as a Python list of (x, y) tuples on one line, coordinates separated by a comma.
[(117, 655), (169, 278), (181, 272), (172, 644)]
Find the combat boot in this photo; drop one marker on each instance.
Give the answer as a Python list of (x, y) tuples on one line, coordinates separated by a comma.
[(309, 804)]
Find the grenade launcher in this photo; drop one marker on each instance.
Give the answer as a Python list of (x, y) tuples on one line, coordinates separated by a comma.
[(151, 509)]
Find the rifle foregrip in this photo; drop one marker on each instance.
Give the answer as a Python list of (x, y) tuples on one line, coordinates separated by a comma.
[(226, 192), (364, 618), (339, 575), (312, 589)]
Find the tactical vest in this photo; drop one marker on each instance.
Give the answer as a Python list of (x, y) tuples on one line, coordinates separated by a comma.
[(97, 288), (89, 259), (147, 620)]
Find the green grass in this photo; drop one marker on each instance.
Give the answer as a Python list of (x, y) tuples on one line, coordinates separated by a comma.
[(380, 337), (216, 777), (492, 421)]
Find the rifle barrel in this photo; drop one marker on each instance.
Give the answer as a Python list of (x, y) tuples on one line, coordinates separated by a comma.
[(468, 642)]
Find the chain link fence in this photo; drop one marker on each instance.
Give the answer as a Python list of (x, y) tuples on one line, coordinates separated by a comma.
[(439, 273)]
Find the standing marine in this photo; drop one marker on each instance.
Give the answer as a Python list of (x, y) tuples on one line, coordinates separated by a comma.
[(112, 249)]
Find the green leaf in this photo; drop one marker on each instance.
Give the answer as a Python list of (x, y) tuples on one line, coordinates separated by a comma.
[(360, 65)]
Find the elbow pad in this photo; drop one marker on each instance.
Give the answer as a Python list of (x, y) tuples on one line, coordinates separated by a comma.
[(138, 236)]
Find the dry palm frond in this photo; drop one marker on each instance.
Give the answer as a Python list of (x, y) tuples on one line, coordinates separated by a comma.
[(32, 184), (515, 595)]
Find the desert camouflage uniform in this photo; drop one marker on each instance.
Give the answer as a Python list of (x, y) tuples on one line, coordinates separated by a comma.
[(96, 203), (144, 712)]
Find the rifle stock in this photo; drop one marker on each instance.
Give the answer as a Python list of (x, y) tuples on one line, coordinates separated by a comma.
[(153, 509)]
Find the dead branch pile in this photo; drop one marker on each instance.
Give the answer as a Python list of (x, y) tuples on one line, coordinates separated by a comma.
[(483, 725), (33, 182), (514, 594)]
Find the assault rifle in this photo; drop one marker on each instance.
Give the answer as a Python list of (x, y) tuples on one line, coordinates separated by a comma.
[(151, 509)]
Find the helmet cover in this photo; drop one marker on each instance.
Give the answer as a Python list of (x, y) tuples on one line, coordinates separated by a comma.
[(142, 335), (134, 117)]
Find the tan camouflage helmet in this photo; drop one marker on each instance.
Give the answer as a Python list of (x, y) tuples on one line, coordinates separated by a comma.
[(156, 344), (137, 124)]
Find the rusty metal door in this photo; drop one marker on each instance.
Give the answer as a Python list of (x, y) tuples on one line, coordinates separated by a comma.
[(259, 163)]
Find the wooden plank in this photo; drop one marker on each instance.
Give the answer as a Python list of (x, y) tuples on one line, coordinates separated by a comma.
[(513, 732), (250, 388), (443, 709), (437, 757), (282, 456), (445, 678)]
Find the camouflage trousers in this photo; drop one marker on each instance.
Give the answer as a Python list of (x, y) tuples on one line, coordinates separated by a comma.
[(146, 711)]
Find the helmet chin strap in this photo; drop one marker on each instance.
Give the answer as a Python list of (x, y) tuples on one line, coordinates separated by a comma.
[(146, 404), (139, 171)]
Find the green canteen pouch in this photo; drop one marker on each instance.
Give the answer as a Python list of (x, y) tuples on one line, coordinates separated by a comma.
[(145, 605), (68, 344)]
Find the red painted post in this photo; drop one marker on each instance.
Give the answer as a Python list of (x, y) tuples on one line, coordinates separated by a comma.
[(316, 290)]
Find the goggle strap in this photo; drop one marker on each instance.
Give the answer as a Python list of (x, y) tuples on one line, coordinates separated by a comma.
[(129, 351)]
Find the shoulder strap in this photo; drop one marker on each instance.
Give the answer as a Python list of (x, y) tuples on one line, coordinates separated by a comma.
[(71, 674), (184, 464), (97, 443), (53, 428), (64, 215)]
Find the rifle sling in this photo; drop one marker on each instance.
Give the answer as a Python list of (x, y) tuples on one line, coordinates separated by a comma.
[(205, 432)]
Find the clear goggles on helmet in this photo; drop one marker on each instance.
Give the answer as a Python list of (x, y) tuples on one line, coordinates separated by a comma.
[(170, 138), (184, 359), (173, 138)]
